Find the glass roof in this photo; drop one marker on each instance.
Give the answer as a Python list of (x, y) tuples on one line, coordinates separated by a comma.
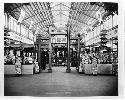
[(60, 12)]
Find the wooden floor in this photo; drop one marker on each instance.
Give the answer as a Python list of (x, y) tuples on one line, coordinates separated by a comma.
[(61, 84)]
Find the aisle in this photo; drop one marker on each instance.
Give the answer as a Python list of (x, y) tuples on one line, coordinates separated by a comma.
[(60, 83)]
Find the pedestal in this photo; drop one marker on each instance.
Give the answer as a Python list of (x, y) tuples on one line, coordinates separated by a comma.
[(68, 70), (49, 70)]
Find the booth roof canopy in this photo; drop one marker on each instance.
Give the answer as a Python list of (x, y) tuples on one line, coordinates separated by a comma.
[(79, 15), (19, 45)]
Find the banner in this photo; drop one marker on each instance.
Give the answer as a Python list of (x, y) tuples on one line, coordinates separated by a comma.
[(22, 15), (99, 16), (31, 25), (16, 37)]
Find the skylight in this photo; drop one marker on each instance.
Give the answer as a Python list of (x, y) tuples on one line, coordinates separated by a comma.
[(60, 11)]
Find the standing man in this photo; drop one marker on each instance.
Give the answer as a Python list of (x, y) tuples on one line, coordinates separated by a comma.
[(18, 66)]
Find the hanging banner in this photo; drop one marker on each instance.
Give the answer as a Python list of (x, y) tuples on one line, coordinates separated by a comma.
[(99, 16), (16, 37), (31, 25), (22, 15)]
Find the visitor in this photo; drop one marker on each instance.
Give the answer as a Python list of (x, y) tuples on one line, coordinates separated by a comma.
[(18, 66), (94, 67)]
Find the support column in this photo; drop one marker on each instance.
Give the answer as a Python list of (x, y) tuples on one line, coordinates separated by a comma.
[(50, 54), (68, 70), (21, 52), (39, 51), (78, 56), (34, 51)]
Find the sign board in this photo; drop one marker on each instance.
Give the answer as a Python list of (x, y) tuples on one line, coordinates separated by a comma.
[(58, 39), (16, 37)]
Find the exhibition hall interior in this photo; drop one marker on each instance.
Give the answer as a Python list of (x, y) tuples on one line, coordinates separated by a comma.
[(61, 49)]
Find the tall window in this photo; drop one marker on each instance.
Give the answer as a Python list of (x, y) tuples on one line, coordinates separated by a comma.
[(115, 20), (110, 22), (30, 35), (94, 32), (9, 22), (106, 24), (18, 29), (27, 32), (23, 30), (98, 30), (5, 16), (15, 25)]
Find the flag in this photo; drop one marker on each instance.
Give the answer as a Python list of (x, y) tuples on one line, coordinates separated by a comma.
[(51, 29), (22, 15), (36, 31), (31, 25), (99, 16)]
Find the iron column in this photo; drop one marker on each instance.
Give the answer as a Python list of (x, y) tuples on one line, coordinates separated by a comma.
[(50, 53), (39, 50), (68, 70), (78, 52)]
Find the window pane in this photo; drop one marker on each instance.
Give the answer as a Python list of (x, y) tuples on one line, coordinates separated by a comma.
[(18, 29), (15, 26), (98, 30), (110, 22), (26, 32), (106, 24), (22, 30), (101, 26), (116, 19), (115, 22), (4, 20), (11, 24)]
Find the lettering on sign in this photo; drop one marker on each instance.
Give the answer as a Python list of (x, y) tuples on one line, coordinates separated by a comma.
[(15, 36), (58, 40)]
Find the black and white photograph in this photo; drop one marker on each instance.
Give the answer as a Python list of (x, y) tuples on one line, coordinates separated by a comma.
[(61, 49)]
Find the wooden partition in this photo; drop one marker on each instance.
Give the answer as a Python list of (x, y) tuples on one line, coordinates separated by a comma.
[(102, 68), (26, 69), (9, 69)]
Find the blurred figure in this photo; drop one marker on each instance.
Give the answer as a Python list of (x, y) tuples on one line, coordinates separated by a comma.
[(94, 68), (18, 66)]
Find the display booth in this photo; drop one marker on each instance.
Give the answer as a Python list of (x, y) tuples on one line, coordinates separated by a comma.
[(104, 62), (24, 52), (28, 60), (59, 56), (9, 58)]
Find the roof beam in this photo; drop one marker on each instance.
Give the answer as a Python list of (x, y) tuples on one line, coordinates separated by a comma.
[(65, 5), (61, 10), (21, 4), (75, 19), (89, 16)]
